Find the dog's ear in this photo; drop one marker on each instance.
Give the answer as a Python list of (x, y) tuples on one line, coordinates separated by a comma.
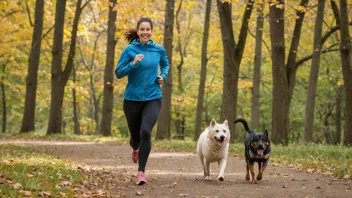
[(212, 123), (266, 133), (225, 123)]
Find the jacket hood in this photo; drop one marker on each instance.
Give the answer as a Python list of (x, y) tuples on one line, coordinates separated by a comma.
[(136, 42)]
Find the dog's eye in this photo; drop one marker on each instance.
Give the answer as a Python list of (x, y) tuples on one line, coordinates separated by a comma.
[(225, 131)]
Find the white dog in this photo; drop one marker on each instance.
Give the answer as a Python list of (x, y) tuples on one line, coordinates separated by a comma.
[(213, 146)]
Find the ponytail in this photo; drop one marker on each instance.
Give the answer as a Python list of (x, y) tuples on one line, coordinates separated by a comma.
[(131, 35)]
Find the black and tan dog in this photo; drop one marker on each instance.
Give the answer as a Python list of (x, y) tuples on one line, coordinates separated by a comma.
[(257, 149)]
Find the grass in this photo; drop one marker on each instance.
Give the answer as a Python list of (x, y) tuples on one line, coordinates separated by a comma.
[(25, 171), (327, 159)]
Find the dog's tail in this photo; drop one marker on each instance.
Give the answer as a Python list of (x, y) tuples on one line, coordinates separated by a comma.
[(245, 124)]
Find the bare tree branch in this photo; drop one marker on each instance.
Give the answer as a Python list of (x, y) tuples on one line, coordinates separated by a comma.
[(29, 14)]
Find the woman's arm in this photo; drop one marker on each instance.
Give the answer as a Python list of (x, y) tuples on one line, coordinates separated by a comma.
[(124, 65), (164, 65)]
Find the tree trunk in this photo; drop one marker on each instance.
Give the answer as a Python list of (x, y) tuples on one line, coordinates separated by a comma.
[(257, 65), (164, 120), (108, 72), (338, 115), (60, 79), (325, 113), (291, 67), (280, 102), (55, 116), (314, 73), (203, 72), (231, 68), (179, 109), (232, 59), (336, 11), (179, 48), (76, 124), (32, 76), (346, 61), (3, 97)]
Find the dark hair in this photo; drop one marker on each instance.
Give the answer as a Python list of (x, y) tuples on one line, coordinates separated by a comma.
[(131, 34)]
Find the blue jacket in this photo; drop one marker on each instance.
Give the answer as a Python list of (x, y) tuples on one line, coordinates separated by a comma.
[(142, 78)]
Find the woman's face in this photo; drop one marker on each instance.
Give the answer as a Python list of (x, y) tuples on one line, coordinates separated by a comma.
[(144, 32)]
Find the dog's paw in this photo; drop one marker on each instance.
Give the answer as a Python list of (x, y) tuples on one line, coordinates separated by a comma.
[(247, 177), (208, 178), (254, 181), (259, 177), (221, 178)]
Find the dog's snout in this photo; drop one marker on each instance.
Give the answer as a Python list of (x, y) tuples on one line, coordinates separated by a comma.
[(260, 146), (222, 137)]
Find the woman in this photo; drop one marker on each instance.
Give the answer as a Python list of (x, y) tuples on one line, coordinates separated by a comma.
[(142, 98)]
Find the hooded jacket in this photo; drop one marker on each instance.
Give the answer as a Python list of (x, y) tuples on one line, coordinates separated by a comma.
[(142, 78)]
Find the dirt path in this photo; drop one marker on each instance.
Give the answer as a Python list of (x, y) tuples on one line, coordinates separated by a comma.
[(173, 174)]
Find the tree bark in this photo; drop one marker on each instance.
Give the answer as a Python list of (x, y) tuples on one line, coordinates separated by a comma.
[(55, 116), (164, 120), (180, 118), (314, 73), (291, 66), (231, 68), (280, 102), (76, 124), (108, 72), (28, 121), (203, 72), (232, 59), (59, 79), (179, 49), (346, 61), (3, 97), (338, 114), (325, 113), (257, 65)]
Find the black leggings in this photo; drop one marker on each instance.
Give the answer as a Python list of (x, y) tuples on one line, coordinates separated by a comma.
[(141, 117)]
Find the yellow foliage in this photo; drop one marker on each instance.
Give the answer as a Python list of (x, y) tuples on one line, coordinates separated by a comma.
[(244, 84)]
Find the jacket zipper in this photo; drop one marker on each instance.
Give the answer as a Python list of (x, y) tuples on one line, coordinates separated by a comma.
[(146, 74)]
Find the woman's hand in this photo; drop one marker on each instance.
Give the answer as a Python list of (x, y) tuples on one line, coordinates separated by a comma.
[(160, 80), (138, 58)]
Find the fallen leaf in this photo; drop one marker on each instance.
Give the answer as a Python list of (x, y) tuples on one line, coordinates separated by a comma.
[(65, 183), (29, 175), (139, 193), (9, 181), (45, 194), (26, 193), (17, 186), (318, 187)]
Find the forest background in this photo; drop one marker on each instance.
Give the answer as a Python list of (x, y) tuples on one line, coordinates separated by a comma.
[(245, 67)]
